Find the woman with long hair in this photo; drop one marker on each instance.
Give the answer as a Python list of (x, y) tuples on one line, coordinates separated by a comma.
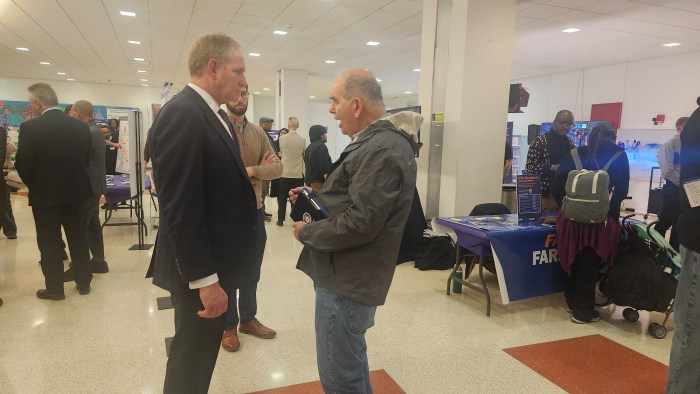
[(583, 247)]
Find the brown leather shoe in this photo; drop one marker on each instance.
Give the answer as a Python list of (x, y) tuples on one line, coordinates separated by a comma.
[(230, 341), (254, 327)]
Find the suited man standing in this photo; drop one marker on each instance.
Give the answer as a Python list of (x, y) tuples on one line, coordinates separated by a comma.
[(52, 160), (83, 111), (207, 239)]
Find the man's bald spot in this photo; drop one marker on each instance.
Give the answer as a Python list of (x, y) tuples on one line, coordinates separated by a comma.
[(563, 113), (359, 72), (361, 83), (85, 108)]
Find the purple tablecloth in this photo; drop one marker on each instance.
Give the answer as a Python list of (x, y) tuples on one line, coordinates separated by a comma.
[(119, 188)]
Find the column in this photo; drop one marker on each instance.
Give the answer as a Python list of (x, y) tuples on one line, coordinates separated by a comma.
[(293, 99), (465, 73)]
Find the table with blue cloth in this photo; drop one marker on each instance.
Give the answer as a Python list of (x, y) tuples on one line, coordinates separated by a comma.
[(119, 196), (524, 255)]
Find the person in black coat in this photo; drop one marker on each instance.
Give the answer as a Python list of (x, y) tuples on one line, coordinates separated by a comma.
[(583, 246), (207, 239), (52, 160), (685, 349)]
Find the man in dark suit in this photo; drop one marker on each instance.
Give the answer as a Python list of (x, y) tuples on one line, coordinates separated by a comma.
[(52, 160), (207, 238)]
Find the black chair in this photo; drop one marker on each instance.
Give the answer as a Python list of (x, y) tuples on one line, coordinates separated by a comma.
[(471, 260)]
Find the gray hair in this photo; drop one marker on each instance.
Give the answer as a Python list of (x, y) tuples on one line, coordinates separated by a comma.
[(364, 87), (215, 46), (43, 93)]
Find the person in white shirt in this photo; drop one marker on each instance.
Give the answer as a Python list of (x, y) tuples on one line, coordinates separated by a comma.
[(292, 147)]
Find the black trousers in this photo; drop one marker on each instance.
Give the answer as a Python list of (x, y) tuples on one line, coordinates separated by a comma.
[(7, 218), (580, 290), (670, 210), (243, 308), (48, 221), (91, 207), (194, 348), (286, 184)]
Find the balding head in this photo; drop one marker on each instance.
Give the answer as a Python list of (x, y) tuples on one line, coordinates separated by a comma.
[(356, 100), (361, 83), (563, 122), (82, 110)]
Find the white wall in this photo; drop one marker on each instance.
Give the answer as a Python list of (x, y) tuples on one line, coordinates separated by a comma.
[(400, 102), (667, 85), (97, 94), (263, 106)]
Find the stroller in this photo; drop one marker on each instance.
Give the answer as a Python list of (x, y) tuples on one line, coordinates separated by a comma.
[(645, 274)]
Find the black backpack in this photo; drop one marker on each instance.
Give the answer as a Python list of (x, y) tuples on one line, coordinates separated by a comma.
[(439, 254)]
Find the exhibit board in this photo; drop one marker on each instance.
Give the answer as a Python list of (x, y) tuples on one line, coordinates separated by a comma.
[(13, 113)]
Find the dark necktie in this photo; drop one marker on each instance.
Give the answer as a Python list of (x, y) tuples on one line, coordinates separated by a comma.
[(231, 130)]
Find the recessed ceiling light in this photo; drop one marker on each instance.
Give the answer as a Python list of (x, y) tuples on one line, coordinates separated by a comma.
[(570, 30), (280, 32), (127, 13), (144, 80), (672, 44), (407, 92), (256, 92), (141, 71), (373, 43), (134, 42), (266, 88), (22, 49), (330, 61), (253, 54), (44, 63), (416, 70), (70, 79), (144, 84), (379, 80), (312, 97), (61, 73), (139, 59)]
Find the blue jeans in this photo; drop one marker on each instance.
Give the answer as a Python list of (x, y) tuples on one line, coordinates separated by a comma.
[(247, 305), (684, 367), (341, 350)]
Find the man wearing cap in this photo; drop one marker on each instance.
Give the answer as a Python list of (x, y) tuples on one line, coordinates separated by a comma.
[(317, 161), (292, 147)]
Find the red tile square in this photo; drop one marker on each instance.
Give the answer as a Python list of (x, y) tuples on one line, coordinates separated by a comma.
[(593, 364)]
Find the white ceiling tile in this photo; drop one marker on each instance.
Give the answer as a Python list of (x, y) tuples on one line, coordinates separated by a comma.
[(542, 11), (371, 4)]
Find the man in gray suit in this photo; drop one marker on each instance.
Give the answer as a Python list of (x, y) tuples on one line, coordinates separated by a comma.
[(83, 110)]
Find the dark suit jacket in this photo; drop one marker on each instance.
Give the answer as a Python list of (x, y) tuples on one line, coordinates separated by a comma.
[(208, 211), (97, 172), (52, 159)]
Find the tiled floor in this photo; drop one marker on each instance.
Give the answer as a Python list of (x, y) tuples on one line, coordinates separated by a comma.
[(382, 383), (111, 341)]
